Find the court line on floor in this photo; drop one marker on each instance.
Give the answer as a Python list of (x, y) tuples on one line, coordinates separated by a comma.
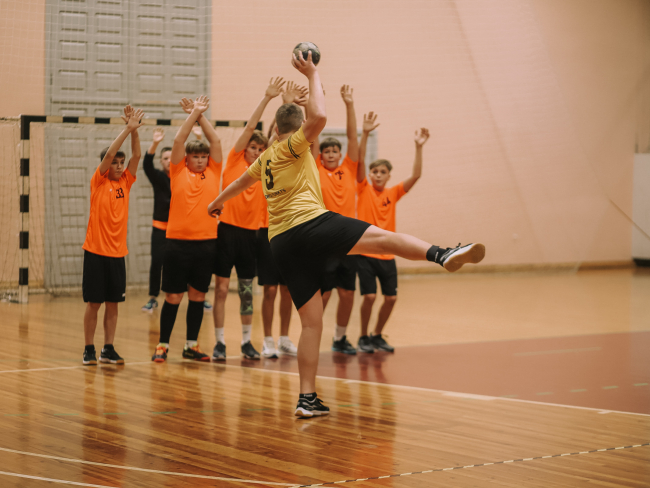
[(82, 366), (443, 392), (469, 466), (51, 480), (144, 470)]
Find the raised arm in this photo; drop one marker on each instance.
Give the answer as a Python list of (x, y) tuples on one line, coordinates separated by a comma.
[(195, 112), (421, 137), (213, 139), (353, 143), (136, 149), (273, 90), (369, 124), (316, 114), (242, 183), (119, 140)]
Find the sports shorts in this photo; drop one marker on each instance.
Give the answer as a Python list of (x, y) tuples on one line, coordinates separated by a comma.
[(340, 272), (302, 252), (267, 272), (371, 269), (236, 247), (188, 263), (104, 278)]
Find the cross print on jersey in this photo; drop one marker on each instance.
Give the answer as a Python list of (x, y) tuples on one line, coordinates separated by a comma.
[(340, 174), (386, 202)]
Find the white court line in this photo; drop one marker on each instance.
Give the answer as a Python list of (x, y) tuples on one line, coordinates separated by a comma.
[(83, 366), (63, 482), (144, 470)]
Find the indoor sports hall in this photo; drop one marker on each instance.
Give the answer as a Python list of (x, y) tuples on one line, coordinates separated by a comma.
[(528, 369)]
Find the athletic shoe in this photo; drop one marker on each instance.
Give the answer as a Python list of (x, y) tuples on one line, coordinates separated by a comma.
[(286, 347), (343, 345), (90, 357), (150, 305), (219, 352), (249, 351), (454, 257), (195, 354), (110, 356), (268, 349), (160, 356), (380, 343), (207, 306), (365, 344), (307, 408)]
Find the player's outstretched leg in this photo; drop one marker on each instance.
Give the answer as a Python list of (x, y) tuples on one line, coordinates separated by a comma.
[(379, 241)]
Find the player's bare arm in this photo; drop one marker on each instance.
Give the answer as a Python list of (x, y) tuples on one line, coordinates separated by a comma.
[(421, 137), (316, 114), (369, 124), (196, 109), (119, 140), (351, 125), (241, 184), (136, 151), (273, 90)]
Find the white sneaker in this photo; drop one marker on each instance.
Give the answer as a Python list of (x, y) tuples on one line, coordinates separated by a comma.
[(286, 347), (268, 350)]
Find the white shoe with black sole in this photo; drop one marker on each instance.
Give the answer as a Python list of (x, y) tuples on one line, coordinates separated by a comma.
[(453, 259)]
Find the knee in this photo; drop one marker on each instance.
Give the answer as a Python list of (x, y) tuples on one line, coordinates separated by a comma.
[(390, 300), (221, 290), (270, 292), (346, 295), (93, 307), (195, 295), (245, 289), (369, 299), (173, 298)]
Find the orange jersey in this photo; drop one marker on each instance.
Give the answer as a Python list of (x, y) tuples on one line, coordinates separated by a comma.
[(378, 208), (191, 194), (109, 214), (339, 186), (245, 210)]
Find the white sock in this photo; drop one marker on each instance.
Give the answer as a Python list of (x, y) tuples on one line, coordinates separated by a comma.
[(191, 344), (246, 333), (269, 341), (340, 332), (164, 344), (220, 333), (283, 338)]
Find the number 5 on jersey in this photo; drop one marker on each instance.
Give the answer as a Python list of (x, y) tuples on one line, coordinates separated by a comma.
[(269, 180)]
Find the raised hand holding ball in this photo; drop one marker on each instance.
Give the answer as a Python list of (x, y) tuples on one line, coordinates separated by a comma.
[(304, 48)]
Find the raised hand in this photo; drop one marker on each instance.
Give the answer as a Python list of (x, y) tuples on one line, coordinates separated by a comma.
[(135, 119), (369, 120), (346, 94), (295, 93), (421, 136), (275, 87), (201, 104), (187, 105), (196, 130), (158, 135), (128, 111), (305, 66)]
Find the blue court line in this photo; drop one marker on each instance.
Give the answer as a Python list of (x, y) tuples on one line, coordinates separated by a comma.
[(163, 413)]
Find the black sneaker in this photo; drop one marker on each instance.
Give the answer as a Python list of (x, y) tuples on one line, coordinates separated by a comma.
[(365, 345), (150, 305), (343, 345), (310, 406), (249, 351), (454, 257), (195, 354), (380, 343), (219, 352), (90, 357), (109, 355)]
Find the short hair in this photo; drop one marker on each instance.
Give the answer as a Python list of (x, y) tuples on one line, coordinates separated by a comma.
[(165, 149), (118, 154), (330, 142), (259, 138), (289, 118), (381, 162), (197, 147)]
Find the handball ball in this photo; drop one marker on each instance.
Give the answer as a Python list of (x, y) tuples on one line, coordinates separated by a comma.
[(304, 48)]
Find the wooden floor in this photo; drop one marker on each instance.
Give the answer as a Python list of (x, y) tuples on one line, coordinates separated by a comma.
[(205, 425)]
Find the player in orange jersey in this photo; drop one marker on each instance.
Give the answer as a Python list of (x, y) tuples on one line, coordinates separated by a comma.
[(104, 270), (195, 172)]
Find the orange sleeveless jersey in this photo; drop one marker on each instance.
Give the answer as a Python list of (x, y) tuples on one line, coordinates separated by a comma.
[(378, 208), (109, 214), (339, 186), (191, 195), (246, 209)]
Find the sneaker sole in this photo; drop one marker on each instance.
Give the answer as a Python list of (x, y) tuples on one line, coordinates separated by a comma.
[(366, 352), (207, 358), (218, 359), (269, 356), (250, 357), (159, 360), (292, 354), (111, 361), (90, 363), (306, 414), (351, 353), (472, 254)]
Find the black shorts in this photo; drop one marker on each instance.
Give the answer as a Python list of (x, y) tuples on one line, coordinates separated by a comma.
[(236, 247), (340, 272), (104, 278), (267, 272), (188, 263), (370, 269), (302, 251)]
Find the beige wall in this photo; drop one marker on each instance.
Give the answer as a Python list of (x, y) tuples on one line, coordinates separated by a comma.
[(535, 106)]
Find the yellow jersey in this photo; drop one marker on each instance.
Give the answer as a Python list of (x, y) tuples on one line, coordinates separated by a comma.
[(290, 182)]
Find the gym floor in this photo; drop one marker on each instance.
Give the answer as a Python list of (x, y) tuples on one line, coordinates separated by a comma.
[(537, 379)]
